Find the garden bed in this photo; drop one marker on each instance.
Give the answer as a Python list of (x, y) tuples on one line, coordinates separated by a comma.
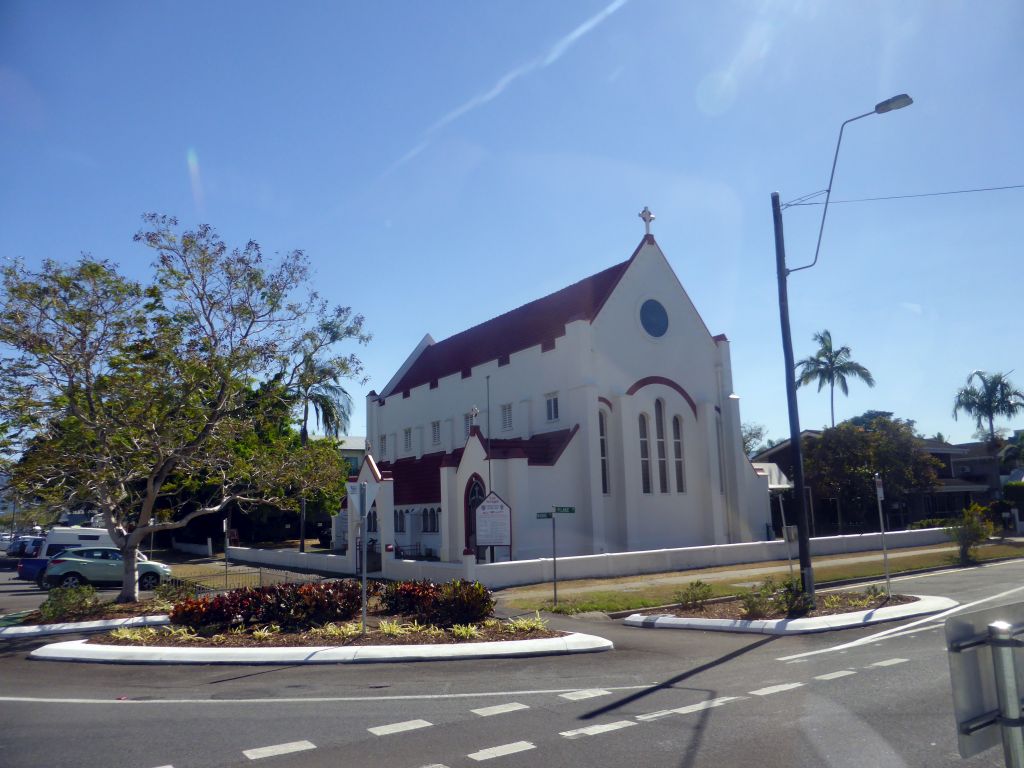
[(395, 633), (736, 608), (100, 611)]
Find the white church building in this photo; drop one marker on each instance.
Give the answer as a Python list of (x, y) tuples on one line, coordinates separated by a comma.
[(609, 396)]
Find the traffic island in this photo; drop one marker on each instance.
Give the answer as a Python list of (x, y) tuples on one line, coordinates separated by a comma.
[(919, 605), (86, 651)]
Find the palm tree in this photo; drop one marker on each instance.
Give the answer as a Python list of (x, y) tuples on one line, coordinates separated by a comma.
[(994, 397), (831, 366), (318, 386)]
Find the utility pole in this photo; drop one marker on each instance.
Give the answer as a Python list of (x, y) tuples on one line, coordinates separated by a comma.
[(796, 450)]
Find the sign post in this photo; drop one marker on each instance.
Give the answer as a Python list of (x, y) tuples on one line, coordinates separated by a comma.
[(366, 492), (880, 493)]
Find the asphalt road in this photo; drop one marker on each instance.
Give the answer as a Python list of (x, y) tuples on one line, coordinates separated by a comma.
[(734, 700)]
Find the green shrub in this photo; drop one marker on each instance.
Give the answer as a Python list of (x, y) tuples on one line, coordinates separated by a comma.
[(694, 594), (69, 604), (461, 602), (409, 598), (790, 598), (971, 529), (465, 631), (526, 624)]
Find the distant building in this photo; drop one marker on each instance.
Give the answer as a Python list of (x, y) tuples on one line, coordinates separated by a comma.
[(609, 396)]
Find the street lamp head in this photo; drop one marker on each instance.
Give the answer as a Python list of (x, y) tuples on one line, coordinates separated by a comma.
[(896, 102)]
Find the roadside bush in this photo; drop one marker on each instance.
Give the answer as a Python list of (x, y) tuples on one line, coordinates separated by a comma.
[(409, 598), (461, 602), (69, 604), (453, 602), (694, 594), (790, 598), (756, 604), (293, 606), (971, 529), (173, 591)]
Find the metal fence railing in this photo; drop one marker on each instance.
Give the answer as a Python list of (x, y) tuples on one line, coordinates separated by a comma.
[(223, 580)]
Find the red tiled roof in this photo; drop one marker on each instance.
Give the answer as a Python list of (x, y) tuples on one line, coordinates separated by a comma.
[(535, 323), (418, 481)]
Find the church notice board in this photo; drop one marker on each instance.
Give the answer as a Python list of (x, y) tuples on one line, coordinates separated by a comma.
[(493, 522)]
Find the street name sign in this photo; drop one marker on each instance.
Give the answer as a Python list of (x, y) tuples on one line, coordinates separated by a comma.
[(565, 510), (493, 522), (544, 515)]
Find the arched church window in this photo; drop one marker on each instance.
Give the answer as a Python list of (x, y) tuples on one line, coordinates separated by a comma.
[(602, 430), (645, 456), (677, 451), (659, 432)]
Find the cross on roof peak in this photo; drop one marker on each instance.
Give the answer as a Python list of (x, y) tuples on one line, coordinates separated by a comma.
[(648, 217)]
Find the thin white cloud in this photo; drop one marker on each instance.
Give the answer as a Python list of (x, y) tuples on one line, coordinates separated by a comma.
[(910, 306), (553, 54)]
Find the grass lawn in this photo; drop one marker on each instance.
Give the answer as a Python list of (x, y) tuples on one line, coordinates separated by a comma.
[(650, 590)]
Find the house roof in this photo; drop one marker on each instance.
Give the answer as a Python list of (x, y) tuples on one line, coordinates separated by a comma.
[(975, 451), (939, 446), (532, 324), (418, 481)]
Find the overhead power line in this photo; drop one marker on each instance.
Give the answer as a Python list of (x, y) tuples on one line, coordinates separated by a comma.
[(804, 200)]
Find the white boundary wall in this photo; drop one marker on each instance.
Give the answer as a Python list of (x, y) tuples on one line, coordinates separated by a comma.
[(507, 574)]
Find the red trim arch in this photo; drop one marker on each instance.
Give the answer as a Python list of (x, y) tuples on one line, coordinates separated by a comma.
[(648, 380), (607, 402)]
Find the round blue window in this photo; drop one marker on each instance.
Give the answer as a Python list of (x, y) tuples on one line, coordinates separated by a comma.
[(654, 318)]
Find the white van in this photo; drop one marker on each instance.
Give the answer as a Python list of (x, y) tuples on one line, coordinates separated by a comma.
[(59, 539)]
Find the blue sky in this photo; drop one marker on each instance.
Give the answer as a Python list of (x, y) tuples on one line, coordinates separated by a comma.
[(445, 162)]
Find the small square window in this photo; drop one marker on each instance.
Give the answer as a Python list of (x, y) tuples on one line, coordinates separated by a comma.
[(506, 416), (552, 406)]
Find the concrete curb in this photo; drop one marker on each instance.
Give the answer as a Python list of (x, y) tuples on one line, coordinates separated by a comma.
[(923, 605), (38, 630), (81, 650)]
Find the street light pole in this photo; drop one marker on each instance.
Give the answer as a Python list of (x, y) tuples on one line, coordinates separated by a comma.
[(783, 272)]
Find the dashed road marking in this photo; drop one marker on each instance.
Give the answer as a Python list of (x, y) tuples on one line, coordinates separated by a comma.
[(501, 751), (689, 709), (278, 749), (588, 693), (593, 730), (835, 675), (887, 663), (775, 689), (408, 725), (499, 709), (435, 765)]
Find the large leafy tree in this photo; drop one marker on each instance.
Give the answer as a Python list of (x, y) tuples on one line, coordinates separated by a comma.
[(841, 463), (831, 365), (132, 397), (987, 396)]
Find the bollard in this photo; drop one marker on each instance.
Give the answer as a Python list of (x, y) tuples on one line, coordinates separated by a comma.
[(1000, 638)]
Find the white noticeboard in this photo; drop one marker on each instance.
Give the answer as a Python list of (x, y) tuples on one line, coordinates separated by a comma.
[(493, 522)]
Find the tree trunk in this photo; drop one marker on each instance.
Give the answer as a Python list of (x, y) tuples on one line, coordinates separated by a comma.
[(130, 578), (832, 402)]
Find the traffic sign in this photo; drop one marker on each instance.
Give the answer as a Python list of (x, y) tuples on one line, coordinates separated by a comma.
[(565, 510), (544, 515)]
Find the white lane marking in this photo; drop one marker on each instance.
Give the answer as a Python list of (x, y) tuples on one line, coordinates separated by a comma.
[(775, 689), (320, 699), (407, 725), (588, 693), (593, 730), (504, 749), (896, 631), (165, 766), (836, 675), (887, 663), (689, 709), (499, 709), (435, 765), (278, 749)]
